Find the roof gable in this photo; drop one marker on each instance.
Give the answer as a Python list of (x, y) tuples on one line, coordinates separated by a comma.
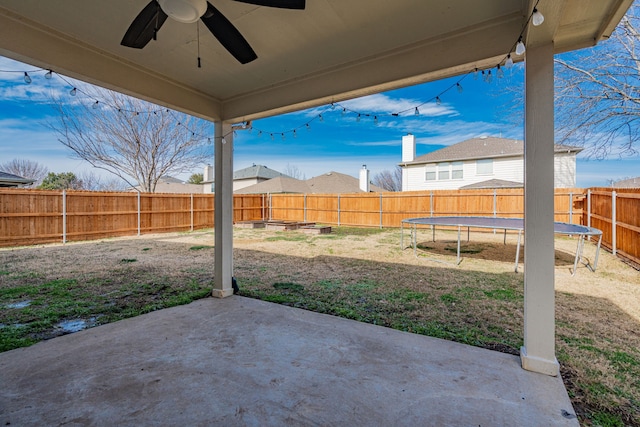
[(256, 171), (482, 148)]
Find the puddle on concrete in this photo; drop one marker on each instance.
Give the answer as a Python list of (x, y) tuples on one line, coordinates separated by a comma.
[(20, 304), (76, 325)]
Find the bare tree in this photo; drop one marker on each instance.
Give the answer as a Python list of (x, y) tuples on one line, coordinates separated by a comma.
[(598, 92), (294, 172), (132, 139), (94, 182), (389, 180), (26, 169)]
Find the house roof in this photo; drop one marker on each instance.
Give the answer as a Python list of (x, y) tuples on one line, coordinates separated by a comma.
[(256, 171), (11, 180), (628, 183), (482, 148), (335, 182), (330, 182), (493, 183), (279, 184)]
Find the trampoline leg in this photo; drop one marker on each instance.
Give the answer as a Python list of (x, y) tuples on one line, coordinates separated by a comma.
[(578, 254), (595, 263), (517, 248)]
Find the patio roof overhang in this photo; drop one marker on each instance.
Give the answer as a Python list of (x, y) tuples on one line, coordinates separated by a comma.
[(332, 51)]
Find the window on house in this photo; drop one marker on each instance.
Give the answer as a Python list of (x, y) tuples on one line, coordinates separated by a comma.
[(443, 171), (484, 167), (430, 173), (456, 170)]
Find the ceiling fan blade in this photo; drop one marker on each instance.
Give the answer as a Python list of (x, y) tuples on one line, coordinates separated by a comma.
[(283, 4), (144, 26), (228, 35)]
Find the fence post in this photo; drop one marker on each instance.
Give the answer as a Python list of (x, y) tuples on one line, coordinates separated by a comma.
[(589, 207), (139, 208), (338, 209), (571, 207), (191, 211), (380, 210), (64, 216), (431, 203), (613, 222), (495, 206), (305, 208)]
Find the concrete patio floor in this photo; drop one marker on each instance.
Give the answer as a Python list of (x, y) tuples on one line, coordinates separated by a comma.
[(239, 361)]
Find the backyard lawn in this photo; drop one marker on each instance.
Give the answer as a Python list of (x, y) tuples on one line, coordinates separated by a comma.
[(360, 274)]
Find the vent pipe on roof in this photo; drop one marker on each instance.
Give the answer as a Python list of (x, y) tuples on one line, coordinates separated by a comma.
[(207, 176), (408, 148), (364, 179)]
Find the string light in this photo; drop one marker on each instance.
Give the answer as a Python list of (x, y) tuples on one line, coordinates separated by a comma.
[(537, 18), (509, 62), (520, 47)]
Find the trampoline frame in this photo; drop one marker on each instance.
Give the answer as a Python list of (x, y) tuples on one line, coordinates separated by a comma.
[(498, 223)]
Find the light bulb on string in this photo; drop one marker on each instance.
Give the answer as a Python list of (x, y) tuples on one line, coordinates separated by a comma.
[(520, 47), (375, 120), (27, 78), (344, 111), (358, 118), (509, 62), (416, 112), (438, 100), (73, 92), (459, 87), (537, 18), (282, 136), (500, 72), (95, 105), (272, 138), (308, 126), (295, 134), (48, 75), (320, 118)]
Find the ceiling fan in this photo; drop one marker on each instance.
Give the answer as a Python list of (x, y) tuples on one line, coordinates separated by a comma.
[(146, 25)]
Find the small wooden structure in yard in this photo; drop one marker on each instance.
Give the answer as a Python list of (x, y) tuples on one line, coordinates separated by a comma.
[(306, 227)]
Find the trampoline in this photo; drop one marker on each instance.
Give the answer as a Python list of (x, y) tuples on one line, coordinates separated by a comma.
[(506, 224)]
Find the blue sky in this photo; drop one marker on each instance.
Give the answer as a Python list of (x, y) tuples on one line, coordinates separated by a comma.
[(336, 141)]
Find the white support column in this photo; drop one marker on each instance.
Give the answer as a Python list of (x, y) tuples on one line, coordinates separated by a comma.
[(538, 352), (223, 200)]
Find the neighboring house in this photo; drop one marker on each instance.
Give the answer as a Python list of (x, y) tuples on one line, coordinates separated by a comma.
[(627, 183), (330, 182), (485, 162), (14, 181), (250, 176)]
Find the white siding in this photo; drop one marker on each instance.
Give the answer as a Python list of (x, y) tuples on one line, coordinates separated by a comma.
[(510, 169), (564, 170)]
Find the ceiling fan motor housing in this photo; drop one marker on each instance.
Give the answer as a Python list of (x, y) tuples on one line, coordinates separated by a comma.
[(186, 11)]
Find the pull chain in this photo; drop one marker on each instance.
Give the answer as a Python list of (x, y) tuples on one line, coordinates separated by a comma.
[(198, 37)]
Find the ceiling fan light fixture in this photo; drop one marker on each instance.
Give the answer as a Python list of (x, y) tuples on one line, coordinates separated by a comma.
[(185, 11)]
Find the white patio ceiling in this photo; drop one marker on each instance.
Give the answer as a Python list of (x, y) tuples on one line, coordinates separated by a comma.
[(333, 50)]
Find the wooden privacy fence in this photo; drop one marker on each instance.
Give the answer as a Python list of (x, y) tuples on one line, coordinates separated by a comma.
[(617, 213), (38, 216), (389, 209)]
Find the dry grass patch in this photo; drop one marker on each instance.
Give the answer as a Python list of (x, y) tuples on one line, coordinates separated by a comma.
[(360, 274)]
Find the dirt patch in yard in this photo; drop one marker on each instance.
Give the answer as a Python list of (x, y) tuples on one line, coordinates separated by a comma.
[(362, 274)]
